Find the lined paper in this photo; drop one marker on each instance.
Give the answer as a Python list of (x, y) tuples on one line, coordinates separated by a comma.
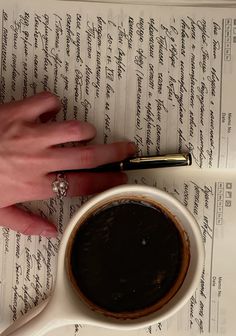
[(162, 77)]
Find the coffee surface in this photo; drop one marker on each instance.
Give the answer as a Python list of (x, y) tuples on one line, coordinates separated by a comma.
[(126, 257)]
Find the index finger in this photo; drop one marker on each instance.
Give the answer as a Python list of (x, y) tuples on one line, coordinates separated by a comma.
[(90, 156)]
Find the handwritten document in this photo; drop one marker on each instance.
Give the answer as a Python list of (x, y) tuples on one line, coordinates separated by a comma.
[(163, 77), (152, 75)]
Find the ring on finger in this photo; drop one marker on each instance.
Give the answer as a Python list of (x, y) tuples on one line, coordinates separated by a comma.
[(60, 186)]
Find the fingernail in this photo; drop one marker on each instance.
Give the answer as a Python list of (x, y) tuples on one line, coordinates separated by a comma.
[(132, 148), (50, 232)]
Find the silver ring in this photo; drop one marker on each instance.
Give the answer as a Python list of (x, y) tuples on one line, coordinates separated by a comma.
[(60, 186)]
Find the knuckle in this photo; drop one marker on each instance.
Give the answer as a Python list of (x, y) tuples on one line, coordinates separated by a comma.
[(73, 128), (15, 132), (87, 157), (26, 163), (80, 130), (22, 134)]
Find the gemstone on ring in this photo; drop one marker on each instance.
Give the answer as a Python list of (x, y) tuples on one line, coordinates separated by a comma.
[(60, 186)]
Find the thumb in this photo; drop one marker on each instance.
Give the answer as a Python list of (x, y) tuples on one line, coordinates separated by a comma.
[(26, 223)]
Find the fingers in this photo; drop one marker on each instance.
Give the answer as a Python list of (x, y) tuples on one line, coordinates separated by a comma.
[(31, 108), (26, 223), (81, 184), (61, 132), (89, 156)]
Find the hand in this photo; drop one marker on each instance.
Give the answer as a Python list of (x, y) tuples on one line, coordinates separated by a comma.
[(29, 154)]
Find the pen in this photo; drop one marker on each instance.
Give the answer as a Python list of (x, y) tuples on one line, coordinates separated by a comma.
[(144, 162)]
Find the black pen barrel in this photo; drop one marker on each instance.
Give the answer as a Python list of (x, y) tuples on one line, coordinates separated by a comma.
[(173, 160)]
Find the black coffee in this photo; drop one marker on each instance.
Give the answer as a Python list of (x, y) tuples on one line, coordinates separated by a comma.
[(128, 259)]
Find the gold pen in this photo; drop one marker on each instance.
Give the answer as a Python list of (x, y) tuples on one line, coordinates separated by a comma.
[(144, 162)]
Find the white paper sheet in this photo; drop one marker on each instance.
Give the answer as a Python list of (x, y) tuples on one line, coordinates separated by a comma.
[(162, 77)]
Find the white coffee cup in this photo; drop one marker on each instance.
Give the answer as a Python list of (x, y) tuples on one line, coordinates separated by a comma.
[(64, 307)]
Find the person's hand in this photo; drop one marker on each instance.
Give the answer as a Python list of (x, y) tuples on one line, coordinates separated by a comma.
[(30, 153)]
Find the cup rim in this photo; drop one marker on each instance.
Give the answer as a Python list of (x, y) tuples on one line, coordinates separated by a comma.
[(169, 309)]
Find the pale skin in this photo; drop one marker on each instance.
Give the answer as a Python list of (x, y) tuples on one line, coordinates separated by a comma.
[(30, 154)]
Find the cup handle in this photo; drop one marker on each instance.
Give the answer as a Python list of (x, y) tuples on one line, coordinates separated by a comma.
[(36, 322)]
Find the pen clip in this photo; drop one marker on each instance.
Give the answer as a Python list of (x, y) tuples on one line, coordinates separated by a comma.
[(184, 158)]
